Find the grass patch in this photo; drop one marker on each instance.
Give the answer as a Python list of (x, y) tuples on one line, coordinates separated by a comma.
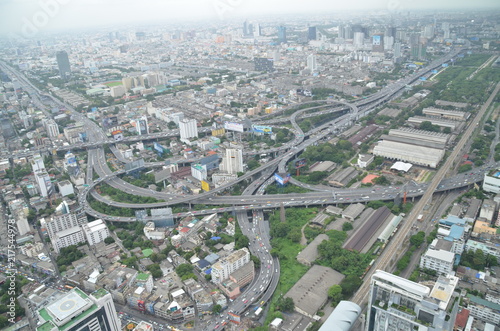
[(286, 247), (111, 84)]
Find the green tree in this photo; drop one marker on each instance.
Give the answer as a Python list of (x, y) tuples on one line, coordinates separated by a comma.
[(286, 304), (350, 284), (109, 240), (335, 294), (417, 239), (216, 309), (347, 226)]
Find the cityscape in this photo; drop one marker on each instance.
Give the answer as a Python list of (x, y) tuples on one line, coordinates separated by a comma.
[(237, 165)]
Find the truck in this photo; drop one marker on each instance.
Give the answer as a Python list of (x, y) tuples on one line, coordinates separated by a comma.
[(420, 218)]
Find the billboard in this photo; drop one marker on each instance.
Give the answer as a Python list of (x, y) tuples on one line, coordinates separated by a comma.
[(205, 186), (281, 179), (262, 129), (300, 163), (238, 127), (234, 318), (158, 148), (117, 135)]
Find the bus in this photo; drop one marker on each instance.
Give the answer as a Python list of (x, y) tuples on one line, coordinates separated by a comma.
[(258, 311)]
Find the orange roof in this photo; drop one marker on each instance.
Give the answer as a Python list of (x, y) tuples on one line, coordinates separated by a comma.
[(369, 179), (462, 317)]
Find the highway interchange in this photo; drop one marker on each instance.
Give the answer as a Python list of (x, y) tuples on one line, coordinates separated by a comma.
[(252, 200)]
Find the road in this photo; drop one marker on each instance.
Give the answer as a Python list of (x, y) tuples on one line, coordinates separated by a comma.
[(258, 231), (388, 257)]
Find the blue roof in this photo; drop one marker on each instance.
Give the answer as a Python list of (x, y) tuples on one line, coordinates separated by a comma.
[(456, 231), (203, 264), (450, 220), (212, 258), (208, 271)]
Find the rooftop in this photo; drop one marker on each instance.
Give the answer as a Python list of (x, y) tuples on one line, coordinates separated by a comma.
[(142, 277), (99, 293), (485, 303), (66, 311)]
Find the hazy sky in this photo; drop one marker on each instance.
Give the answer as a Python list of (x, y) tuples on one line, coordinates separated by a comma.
[(25, 17)]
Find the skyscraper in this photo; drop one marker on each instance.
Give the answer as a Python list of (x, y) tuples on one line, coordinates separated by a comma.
[(311, 33), (378, 43), (233, 161), (141, 125), (77, 311), (397, 50), (282, 34), (396, 303), (63, 64), (188, 128), (359, 38), (311, 63)]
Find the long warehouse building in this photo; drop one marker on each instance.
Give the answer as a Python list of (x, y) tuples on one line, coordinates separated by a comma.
[(363, 235), (424, 156), (421, 135), (417, 120)]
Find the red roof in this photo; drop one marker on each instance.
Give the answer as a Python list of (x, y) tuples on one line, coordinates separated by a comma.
[(369, 179), (185, 229), (462, 317)]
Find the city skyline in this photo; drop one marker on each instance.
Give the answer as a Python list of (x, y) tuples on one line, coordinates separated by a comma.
[(55, 15)]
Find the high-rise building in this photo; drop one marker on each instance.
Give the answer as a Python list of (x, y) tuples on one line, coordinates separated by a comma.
[(263, 64), (226, 266), (68, 237), (232, 163), (37, 163), (51, 128), (311, 63), (397, 50), (63, 64), (44, 184), (396, 303), (378, 43), (388, 43), (188, 128), (282, 34), (76, 311), (418, 51), (95, 232), (439, 260), (390, 31), (359, 39), (59, 223), (141, 125), (311, 33), (445, 26), (199, 171), (429, 31)]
